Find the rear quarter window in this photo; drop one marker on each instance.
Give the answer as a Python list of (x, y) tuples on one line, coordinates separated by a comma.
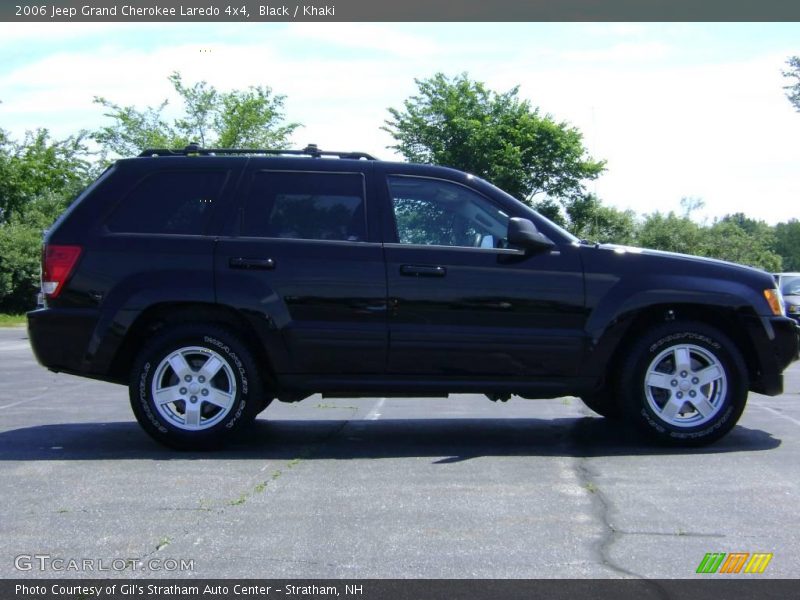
[(169, 202)]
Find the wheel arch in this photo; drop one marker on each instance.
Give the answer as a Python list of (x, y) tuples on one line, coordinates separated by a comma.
[(160, 316), (623, 333)]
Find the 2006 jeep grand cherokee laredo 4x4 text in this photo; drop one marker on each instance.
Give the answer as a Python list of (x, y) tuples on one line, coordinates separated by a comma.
[(213, 281)]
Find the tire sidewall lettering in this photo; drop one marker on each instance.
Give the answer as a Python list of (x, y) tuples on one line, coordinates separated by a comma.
[(233, 357), (144, 385), (696, 337)]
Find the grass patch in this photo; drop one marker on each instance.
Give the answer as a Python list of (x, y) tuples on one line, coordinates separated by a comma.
[(165, 541), (261, 486), (238, 501), (11, 320)]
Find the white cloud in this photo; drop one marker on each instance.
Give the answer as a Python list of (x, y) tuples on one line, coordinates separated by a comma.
[(366, 36), (621, 52)]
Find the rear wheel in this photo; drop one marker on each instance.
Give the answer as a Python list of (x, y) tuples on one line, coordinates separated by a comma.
[(684, 383), (195, 386)]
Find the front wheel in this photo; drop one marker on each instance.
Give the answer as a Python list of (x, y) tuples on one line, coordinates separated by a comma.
[(194, 386), (684, 384)]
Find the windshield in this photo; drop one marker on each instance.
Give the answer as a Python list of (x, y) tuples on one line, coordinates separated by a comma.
[(790, 285)]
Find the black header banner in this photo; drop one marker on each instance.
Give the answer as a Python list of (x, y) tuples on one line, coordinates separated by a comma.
[(399, 589), (398, 10)]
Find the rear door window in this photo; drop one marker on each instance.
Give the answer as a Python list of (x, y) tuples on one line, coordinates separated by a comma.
[(308, 206)]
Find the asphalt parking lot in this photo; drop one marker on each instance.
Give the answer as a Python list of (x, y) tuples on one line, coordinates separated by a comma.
[(384, 488)]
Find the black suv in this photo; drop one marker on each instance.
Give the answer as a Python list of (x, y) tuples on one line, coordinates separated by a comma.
[(213, 281)]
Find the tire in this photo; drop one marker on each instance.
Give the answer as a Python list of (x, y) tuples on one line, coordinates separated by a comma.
[(604, 403), (684, 383), (193, 387)]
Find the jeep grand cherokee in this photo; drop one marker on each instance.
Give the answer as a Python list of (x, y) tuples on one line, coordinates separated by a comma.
[(213, 281)]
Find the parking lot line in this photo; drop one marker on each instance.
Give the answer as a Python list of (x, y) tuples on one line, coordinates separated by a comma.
[(777, 413), (375, 414)]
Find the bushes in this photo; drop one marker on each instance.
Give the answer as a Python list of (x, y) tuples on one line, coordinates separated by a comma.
[(20, 251)]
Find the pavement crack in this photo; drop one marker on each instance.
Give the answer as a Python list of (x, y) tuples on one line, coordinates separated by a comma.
[(689, 534), (603, 508)]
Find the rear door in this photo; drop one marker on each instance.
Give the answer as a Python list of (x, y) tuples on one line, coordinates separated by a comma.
[(306, 258)]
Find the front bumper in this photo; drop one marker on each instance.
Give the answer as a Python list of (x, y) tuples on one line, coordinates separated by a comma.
[(777, 344)]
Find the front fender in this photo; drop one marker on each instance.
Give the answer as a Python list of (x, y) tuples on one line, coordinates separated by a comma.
[(621, 304)]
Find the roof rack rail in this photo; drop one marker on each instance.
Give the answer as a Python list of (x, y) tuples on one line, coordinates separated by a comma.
[(310, 150)]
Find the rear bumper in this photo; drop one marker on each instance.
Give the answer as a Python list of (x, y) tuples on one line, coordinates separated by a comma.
[(60, 337), (777, 343)]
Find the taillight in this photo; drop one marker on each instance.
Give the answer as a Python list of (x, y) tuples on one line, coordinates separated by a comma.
[(57, 264)]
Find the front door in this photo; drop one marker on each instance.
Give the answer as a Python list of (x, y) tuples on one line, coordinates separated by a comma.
[(462, 304)]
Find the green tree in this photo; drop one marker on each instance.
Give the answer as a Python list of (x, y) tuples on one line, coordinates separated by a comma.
[(550, 208), (460, 123), (20, 250), (38, 165), (727, 240), (751, 226), (19, 269), (250, 118), (735, 238), (793, 75), (787, 244), (590, 219), (38, 178), (670, 232)]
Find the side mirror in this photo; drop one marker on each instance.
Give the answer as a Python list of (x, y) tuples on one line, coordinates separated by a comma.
[(523, 234)]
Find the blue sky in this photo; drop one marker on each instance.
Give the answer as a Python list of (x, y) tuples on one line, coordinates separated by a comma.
[(676, 109)]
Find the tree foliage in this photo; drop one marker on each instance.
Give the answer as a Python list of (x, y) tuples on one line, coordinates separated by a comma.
[(591, 220), (670, 232), (727, 240), (38, 165), (793, 75), (787, 244), (38, 178), (460, 123), (734, 238), (20, 250), (250, 118)]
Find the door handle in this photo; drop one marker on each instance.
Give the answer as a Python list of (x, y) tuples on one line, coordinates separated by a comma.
[(264, 264), (423, 271)]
